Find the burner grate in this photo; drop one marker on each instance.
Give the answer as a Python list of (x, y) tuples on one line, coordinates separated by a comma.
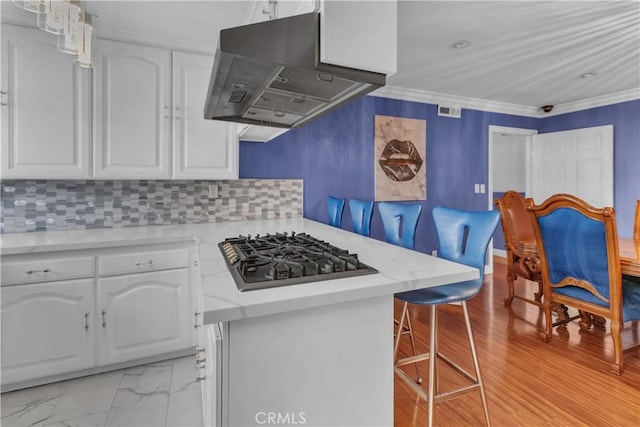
[(285, 259)]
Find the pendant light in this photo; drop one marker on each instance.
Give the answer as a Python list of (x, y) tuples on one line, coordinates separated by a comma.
[(35, 6), (86, 41), (53, 22), (72, 26)]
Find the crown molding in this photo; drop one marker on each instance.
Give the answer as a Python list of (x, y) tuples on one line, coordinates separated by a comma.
[(426, 97), (599, 101), (416, 95)]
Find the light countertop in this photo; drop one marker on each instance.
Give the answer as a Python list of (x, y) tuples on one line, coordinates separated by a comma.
[(399, 269)]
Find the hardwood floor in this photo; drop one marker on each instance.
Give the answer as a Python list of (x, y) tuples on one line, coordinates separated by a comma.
[(528, 383)]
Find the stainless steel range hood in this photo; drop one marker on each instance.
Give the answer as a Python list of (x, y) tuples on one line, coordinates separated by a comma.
[(270, 74)]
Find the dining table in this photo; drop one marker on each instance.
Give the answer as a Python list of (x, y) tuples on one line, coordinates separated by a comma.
[(629, 250)]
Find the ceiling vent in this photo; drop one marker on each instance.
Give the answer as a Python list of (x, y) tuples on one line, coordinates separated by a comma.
[(449, 111)]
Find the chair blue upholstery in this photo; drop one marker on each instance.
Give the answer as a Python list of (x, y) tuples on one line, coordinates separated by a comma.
[(578, 248), (335, 206), (400, 222), (361, 213), (464, 237)]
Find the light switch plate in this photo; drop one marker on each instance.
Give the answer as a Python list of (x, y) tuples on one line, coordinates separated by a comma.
[(477, 188)]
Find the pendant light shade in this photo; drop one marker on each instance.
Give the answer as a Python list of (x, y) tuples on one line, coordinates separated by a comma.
[(72, 26), (86, 41), (53, 22), (35, 6)]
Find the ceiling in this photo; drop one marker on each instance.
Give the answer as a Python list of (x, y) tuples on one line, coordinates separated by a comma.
[(527, 53)]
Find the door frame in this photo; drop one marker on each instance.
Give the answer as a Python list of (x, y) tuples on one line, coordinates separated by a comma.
[(528, 133)]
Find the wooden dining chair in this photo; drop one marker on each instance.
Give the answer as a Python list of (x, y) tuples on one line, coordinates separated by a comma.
[(580, 265), (520, 244), (636, 222)]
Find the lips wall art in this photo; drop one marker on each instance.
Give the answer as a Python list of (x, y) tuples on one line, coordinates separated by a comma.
[(400, 158)]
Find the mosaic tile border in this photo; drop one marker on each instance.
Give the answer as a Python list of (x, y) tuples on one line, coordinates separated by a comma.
[(50, 205)]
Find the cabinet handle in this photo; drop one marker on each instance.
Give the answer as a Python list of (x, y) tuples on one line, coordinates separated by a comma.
[(138, 263), (86, 321), (196, 314), (201, 361), (201, 378), (45, 271), (177, 115), (104, 318), (3, 99), (166, 112), (199, 350)]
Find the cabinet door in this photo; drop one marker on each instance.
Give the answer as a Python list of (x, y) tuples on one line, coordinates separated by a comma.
[(205, 149), (45, 108), (143, 315), (47, 329), (209, 367), (132, 104)]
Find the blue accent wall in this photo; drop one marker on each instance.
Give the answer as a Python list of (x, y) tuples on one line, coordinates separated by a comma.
[(625, 118), (334, 156)]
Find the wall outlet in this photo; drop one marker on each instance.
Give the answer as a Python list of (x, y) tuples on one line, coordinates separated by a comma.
[(434, 253), (213, 191), (482, 189), (476, 188)]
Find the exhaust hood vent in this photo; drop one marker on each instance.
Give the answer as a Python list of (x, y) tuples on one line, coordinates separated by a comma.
[(269, 74)]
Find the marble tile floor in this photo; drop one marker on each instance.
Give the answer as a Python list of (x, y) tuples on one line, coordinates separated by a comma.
[(157, 394)]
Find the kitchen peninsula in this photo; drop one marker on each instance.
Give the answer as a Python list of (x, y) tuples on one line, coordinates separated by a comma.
[(318, 353)]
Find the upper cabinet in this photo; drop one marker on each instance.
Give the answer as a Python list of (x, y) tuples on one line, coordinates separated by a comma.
[(147, 116), (201, 148), (132, 111), (45, 108), (360, 34)]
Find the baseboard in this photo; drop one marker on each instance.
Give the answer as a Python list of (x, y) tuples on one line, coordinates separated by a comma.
[(500, 252)]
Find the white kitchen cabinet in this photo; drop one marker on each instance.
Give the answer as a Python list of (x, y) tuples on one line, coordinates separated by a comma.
[(45, 108), (361, 35), (209, 368), (132, 111), (202, 149), (47, 329), (142, 315), (71, 313)]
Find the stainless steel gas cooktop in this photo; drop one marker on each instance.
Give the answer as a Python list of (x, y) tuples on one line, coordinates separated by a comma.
[(284, 259)]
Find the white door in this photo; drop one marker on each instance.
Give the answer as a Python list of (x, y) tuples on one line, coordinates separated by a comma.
[(143, 315), (578, 162), (47, 329), (45, 108), (202, 149), (132, 106)]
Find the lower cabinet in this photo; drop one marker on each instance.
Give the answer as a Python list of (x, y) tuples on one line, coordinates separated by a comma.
[(69, 313), (142, 315), (209, 367), (47, 328)]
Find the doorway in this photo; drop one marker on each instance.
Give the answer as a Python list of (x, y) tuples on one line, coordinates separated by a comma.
[(509, 169)]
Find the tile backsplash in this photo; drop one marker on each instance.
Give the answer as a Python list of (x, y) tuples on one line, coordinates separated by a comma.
[(48, 205)]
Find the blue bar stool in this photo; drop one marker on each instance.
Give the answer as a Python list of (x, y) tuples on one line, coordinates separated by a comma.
[(361, 213), (335, 206), (463, 237), (400, 222)]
